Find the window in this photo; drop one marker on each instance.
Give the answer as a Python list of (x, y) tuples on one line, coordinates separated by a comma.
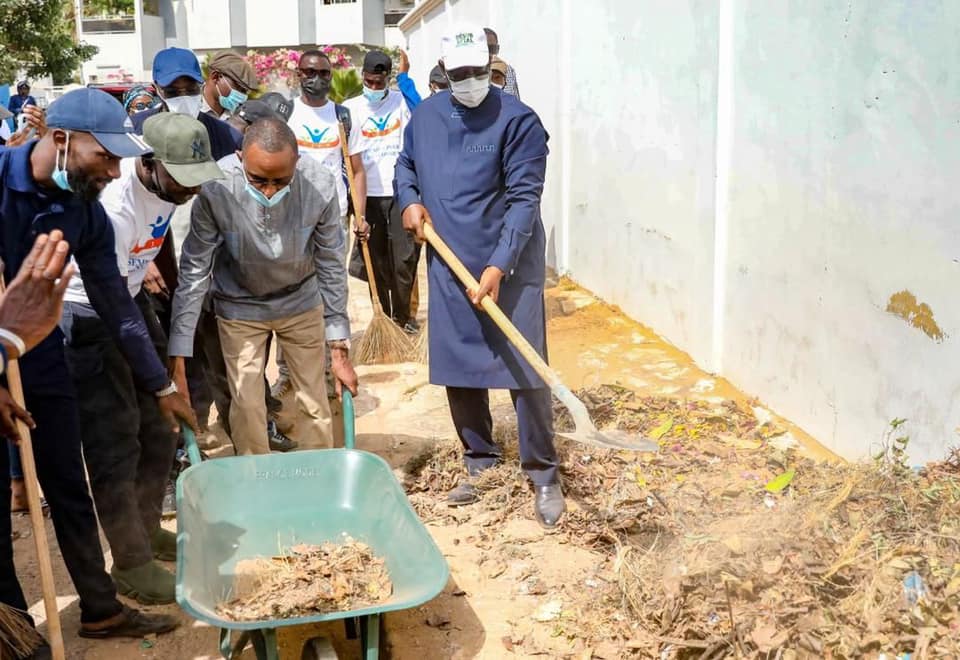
[(338, 2)]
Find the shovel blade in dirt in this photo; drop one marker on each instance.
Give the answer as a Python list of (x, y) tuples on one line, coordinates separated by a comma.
[(586, 433)]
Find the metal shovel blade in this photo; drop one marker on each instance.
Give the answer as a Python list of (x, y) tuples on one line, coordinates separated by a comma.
[(587, 434)]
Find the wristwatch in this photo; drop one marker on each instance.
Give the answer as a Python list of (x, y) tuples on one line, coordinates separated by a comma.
[(167, 391)]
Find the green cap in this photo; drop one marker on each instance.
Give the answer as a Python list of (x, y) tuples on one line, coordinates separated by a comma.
[(182, 144)]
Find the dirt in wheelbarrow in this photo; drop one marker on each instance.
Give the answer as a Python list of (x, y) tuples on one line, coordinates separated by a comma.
[(308, 580)]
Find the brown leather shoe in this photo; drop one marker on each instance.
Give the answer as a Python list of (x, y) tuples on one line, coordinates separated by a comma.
[(129, 623)]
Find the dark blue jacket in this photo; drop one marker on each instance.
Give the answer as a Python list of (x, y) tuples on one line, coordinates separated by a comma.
[(224, 138), (27, 210)]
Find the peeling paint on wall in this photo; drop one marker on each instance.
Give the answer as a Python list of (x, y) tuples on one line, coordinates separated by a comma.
[(904, 304)]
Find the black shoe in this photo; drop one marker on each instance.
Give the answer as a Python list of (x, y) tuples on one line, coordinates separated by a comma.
[(411, 327), (279, 441), (130, 623), (465, 493), (548, 504)]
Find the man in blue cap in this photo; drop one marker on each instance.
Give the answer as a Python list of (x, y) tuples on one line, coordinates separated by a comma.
[(179, 81), (53, 183)]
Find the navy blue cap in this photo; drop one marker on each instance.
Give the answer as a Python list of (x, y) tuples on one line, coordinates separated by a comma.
[(171, 63), (95, 112)]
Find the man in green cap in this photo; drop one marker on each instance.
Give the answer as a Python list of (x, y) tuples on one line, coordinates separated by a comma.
[(127, 445)]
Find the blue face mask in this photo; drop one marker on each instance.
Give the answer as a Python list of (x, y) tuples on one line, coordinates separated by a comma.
[(263, 200), (374, 95), (59, 174), (233, 101)]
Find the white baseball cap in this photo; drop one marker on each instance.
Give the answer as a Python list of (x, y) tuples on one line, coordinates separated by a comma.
[(465, 46)]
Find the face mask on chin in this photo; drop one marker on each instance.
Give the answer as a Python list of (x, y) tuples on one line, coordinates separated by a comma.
[(185, 105), (472, 91), (59, 175)]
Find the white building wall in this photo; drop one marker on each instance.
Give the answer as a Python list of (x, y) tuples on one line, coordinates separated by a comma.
[(340, 23), (272, 23), (832, 132), (117, 51), (208, 23), (152, 41)]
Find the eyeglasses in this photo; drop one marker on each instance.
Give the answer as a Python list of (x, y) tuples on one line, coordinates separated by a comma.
[(311, 73), (142, 105), (186, 90)]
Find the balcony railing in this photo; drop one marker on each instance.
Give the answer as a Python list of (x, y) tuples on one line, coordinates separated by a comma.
[(109, 24)]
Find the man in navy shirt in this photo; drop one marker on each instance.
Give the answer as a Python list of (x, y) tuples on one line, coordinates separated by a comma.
[(22, 99), (53, 183)]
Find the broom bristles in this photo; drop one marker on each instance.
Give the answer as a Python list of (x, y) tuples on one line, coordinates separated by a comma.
[(421, 346), (383, 343), (17, 636)]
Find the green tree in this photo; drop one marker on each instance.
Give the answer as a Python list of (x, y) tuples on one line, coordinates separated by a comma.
[(346, 84), (108, 7), (38, 36)]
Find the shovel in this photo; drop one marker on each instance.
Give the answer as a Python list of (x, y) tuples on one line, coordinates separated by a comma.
[(586, 433)]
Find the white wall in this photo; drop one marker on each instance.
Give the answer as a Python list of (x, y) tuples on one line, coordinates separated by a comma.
[(754, 181), (340, 23), (117, 51), (153, 41), (273, 23), (208, 23)]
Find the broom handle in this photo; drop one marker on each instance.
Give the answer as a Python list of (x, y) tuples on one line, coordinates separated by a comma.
[(36, 513), (368, 264)]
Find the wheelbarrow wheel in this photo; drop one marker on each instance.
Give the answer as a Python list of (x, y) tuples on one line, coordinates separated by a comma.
[(318, 648)]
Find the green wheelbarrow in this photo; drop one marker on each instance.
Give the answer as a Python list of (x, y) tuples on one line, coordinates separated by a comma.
[(244, 507)]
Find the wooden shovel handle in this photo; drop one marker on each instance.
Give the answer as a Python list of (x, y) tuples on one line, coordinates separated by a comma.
[(519, 342), (47, 584), (368, 264)]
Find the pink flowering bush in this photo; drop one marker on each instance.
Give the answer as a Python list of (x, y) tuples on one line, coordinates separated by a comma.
[(278, 70)]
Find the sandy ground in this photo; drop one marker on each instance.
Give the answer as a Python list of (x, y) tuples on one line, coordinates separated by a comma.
[(399, 414)]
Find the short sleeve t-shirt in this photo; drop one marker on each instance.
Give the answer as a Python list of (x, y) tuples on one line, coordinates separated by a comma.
[(318, 135), (140, 222), (381, 127)]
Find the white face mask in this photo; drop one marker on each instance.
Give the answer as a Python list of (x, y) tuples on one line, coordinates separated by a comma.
[(185, 105), (472, 91)]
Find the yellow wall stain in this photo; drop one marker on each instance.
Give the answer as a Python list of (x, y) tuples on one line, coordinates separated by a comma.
[(904, 304)]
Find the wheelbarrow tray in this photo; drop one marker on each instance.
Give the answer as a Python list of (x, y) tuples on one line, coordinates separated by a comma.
[(246, 507)]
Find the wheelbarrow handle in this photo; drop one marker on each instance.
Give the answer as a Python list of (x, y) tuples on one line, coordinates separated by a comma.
[(349, 421), (190, 444)]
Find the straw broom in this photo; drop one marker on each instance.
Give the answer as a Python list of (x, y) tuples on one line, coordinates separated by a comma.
[(382, 342), (15, 633)]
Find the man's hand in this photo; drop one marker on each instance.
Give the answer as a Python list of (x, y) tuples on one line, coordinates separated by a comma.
[(176, 408), (404, 61), (413, 218), (10, 412), (489, 286), (343, 372), (32, 304), (153, 282), (361, 228)]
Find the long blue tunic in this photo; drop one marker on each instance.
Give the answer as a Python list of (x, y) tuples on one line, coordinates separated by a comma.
[(479, 172)]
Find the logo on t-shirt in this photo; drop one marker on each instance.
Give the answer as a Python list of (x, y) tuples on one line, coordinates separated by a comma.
[(315, 138), (158, 230), (379, 126)]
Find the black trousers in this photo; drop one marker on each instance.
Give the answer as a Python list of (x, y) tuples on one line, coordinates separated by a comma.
[(127, 444), (50, 398), (394, 255), (470, 409)]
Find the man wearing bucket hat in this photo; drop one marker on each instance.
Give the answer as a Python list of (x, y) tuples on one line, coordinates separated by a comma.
[(127, 446), (52, 183), (476, 158)]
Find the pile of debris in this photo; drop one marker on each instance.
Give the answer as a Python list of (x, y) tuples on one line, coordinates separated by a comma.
[(728, 543), (308, 580)]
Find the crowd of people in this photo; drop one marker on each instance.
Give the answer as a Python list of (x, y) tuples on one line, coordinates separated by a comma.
[(149, 336)]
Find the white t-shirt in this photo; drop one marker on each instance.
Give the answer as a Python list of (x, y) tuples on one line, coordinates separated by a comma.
[(319, 137), (381, 126), (140, 222)]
